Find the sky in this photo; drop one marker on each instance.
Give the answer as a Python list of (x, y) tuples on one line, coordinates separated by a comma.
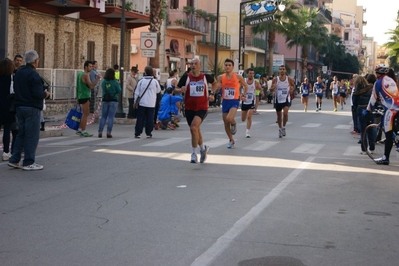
[(381, 17)]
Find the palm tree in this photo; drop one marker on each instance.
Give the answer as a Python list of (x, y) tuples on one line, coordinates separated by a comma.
[(332, 49), (156, 18), (393, 47), (278, 25), (298, 34)]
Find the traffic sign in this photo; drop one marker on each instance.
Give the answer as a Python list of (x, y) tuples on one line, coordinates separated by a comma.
[(324, 69), (147, 53), (148, 41), (329, 72)]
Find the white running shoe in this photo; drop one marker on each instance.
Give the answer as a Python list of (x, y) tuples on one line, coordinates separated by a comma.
[(204, 154), (33, 167), (247, 135), (6, 156), (283, 131), (280, 133), (194, 158), (231, 144)]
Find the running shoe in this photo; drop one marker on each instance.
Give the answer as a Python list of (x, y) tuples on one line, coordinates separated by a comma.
[(6, 156), (342, 107), (335, 109), (157, 125), (33, 167), (247, 135), (381, 161), (231, 144), (283, 131), (171, 126), (317, 109), (15, 165), (79, 133), (86, 134), (204, 154), (194, 158), (280, 133), (233, 128)]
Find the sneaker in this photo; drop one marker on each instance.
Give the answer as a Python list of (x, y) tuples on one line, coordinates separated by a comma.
[(15, 165), (79, 133), (157, 125), (6, 156), (233, 128), (231, 144), (109, 135), (317, 109), (100, 135), (204, 154), (149, 137), (136, 137), (283, 131), (372, 151), (171, 126), (86, 134), (342, 107), (305, 110), (33, 167), (381, 161), (363, 152), (247, 135), (194, 158), (280, 133), (335, 109)]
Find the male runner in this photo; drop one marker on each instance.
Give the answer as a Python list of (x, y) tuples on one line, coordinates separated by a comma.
[(194, 85), (230, 83), (282, 87), (248, 106), (319, 88)]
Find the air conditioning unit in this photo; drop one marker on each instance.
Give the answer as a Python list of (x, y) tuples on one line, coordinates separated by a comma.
[(190, 48), (133, 49)]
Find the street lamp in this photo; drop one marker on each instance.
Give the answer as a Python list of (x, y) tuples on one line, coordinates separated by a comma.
[(307, 25), (263, 17)]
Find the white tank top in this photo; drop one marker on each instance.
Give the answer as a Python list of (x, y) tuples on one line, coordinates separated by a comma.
[(334, 87), (251, 92), (282, 91), (169, 82)]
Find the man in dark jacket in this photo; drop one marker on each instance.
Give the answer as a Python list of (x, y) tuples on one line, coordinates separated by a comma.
[(29, 96)]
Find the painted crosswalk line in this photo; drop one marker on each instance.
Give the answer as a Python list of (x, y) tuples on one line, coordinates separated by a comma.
[(308, 148), (261, 145), (166, 142)]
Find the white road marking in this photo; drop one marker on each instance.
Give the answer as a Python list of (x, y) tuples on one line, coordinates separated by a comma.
[(243, 223), (261, 145), (216, 142), (165, 142), (343, 127), (78, 140), (311, 125)]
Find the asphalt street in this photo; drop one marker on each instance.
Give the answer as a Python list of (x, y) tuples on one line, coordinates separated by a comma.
[(309, 198)]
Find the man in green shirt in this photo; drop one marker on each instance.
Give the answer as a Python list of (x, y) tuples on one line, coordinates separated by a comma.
[(83, 93)]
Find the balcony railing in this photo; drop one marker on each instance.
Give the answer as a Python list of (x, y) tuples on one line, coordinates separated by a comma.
[(189, 21), (224, 39), (138, 6), (255, 42), (311, 3)]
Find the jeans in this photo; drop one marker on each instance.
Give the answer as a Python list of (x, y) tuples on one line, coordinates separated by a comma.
[(107, 114), (355, 120), (145, 117), (6, 137), (28, 135)]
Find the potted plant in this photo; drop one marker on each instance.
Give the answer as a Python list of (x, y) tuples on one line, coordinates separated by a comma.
[(179, 22), (129, 6), (188, 9), (147, 10), (211, 17)]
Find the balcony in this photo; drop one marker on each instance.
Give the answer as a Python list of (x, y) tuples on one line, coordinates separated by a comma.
[(111, 16), (311, 3), (187, 23), (210, 39), (255, 44), (325, 15)]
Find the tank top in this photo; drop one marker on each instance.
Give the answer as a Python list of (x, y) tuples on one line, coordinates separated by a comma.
[(335, 87), (169, 82), (196, 96), (305, 89), (82, 90), (230, 87), (251, 92), (318, 88), (282, 91)]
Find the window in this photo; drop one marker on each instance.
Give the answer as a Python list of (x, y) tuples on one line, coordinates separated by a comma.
[(90, 51), (174, 4), (346, 36), (114, 54), (190, 3), (39, 48), (204, 62)]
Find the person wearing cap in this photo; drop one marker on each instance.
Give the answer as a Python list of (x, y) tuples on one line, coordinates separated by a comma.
[(386, 91)]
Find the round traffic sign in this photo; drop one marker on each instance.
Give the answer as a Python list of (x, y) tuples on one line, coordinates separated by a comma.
[(148, 43)]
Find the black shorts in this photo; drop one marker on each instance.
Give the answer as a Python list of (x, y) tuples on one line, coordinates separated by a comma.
[(190, 114), (246, 107), (342, 95), (280, 106), (83, 101)]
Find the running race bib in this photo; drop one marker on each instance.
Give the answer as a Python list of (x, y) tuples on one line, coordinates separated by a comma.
[(229, 93), (250, 98), (305, 91), (197, 88), (282, 95)]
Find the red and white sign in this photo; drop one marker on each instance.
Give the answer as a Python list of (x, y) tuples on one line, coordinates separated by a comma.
[(148, 41)]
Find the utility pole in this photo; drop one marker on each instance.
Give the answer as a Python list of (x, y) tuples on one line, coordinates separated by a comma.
[(4, 28)]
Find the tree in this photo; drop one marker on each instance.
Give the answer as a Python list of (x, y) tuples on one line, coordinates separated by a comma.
[(297, 33), (157, 16), (278, 25), (332, 48), (393, 47)]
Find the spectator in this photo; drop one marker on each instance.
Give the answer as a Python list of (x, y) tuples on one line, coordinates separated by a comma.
[(17, 62), (168, 114), (117, 73), (146, 91), (131, 84), (110, 91), (6, 118), (29, 96), (93, 75)]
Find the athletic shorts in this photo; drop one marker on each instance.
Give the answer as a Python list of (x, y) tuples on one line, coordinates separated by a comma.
[(190, 114), (280, 106), (246, 107), (83, 101), (320, 96), (228, 104), (342, 95), (336, 94)]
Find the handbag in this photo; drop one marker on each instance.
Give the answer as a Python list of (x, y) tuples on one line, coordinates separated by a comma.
[(136, 103), (74, 117)]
